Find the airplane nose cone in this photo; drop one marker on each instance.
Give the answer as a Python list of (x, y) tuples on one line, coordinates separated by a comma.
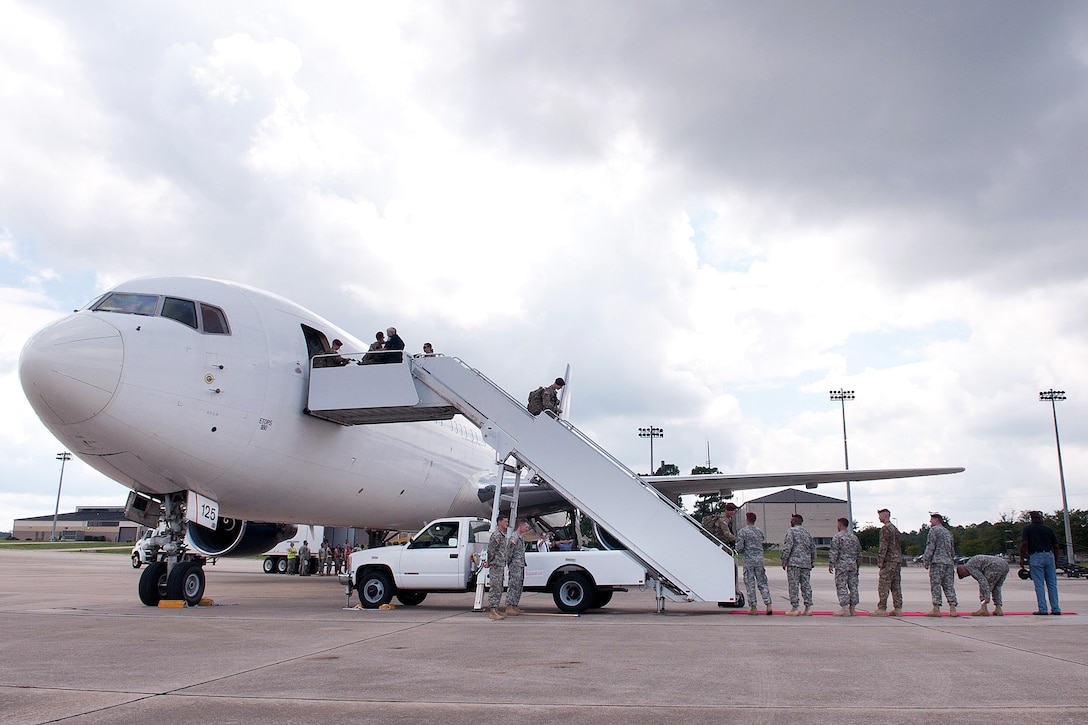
[(70, 369)]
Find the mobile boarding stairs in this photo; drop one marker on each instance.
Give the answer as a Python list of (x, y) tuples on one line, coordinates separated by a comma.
[(686, 562)]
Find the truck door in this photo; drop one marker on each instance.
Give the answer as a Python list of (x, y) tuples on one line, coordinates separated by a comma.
[(434, 559)]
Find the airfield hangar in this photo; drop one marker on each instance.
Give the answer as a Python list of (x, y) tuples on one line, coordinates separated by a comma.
[(774, 511)]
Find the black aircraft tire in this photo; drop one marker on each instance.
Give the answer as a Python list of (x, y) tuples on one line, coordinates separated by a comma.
[(152, 587), (411, 599), (186, 582), (574, 593), (375, 589)]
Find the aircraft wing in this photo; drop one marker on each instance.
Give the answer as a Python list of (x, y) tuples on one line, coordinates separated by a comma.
[(715, 483), (539, 499)]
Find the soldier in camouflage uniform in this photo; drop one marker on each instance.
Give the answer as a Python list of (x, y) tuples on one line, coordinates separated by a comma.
[(498, 551), (940, 559), (516, 566), (843, 562), (990, 572), (750, 546), (889, 561), (722, 524), (798, 558)]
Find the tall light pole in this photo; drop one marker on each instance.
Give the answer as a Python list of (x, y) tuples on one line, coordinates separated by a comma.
[(1055, 395), (63, 457), (842, 396), (651, 433)]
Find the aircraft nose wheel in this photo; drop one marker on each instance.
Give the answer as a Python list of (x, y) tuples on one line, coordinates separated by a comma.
[(186, 581)]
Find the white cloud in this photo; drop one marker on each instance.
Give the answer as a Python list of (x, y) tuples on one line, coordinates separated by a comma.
[(716, 215)]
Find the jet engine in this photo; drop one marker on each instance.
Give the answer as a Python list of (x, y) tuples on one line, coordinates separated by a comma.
[(235, 537)]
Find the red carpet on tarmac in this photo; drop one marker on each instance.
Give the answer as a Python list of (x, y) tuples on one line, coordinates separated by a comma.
[(905, 614)]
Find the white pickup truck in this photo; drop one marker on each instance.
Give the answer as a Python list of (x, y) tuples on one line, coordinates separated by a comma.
[(448, 555)]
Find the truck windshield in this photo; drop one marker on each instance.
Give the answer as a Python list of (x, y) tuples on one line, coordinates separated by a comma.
[(440, 534)]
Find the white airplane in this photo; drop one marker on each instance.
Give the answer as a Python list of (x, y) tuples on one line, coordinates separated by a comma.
[(192, 392)]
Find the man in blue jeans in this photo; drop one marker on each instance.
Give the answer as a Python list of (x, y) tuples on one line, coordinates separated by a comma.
[(1039, 548)]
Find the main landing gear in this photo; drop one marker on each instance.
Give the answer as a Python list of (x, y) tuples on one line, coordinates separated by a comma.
[(176, 574)]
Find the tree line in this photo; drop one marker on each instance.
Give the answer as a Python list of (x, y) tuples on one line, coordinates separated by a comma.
[(1001, 537)]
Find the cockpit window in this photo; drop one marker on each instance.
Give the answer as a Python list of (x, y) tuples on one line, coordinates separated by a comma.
[(215, 322), (184, 311), (130, 303), (173, 308)]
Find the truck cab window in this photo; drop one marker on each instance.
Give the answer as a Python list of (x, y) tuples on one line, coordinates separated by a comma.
[(441, 534)]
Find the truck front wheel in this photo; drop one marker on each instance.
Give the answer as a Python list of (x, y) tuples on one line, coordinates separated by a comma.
[(375, 589), (574, 593)]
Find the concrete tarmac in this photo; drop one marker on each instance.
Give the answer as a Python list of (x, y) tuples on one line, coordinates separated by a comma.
[(79, 647)]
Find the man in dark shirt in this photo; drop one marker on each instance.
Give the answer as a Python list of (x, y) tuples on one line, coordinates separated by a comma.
[(1039, 548), (393, 343)]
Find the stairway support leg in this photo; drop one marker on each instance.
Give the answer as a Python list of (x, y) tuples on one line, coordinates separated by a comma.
[(481, 580)]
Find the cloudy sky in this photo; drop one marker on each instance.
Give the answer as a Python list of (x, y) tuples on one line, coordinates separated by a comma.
[(716, 212)]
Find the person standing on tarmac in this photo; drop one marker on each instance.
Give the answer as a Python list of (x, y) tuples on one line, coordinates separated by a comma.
[(292, 558), (940, 560), (1039, 550), (498, 552), (798, 558), (516, 567), (843, 562), (750, 546), (304, 559), (889, 560)]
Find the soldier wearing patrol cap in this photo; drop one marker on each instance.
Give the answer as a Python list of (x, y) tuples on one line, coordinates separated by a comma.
[(750, 546), (798, 558), (889, 560)]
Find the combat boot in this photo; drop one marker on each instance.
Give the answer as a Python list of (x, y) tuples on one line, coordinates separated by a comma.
[(794, 611), (935, 612), (982, 612), (843, 612), (495, 614), (897, 613), (952, 610), (998, 611), (807, 612), (853, 611), (752, 610), (770, 609), (879, 612), (512, 610)]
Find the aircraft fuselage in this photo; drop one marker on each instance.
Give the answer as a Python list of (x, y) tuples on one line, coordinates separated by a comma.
[(169, 403)]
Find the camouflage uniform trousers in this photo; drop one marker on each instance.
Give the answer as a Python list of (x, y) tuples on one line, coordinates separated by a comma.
[(942, 576), (754, 575), (799, 578), (890, 580), (495, 576), (846, 586), (515, 583)]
